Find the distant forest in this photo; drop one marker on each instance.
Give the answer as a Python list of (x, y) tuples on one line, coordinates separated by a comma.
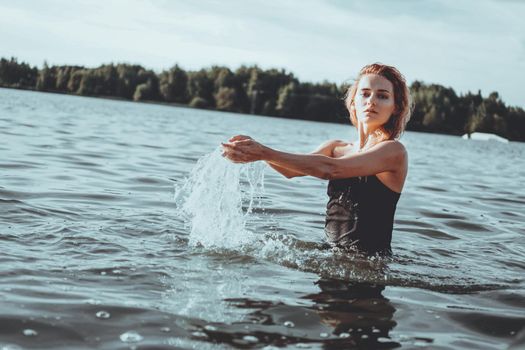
[(272, 92)]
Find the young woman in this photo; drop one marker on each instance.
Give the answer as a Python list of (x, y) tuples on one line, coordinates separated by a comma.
[(366, 177)]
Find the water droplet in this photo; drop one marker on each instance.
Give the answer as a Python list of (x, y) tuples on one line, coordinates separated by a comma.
[(250, 339), (364, 336), (103, 273), (131, 337), (289, 324), (323, 335), (375, 330), (199, 334), (30, 332), (209, 327), (359, 329), (92, 302), (437, 317), (165, 329), (103, 314), (344, 335)]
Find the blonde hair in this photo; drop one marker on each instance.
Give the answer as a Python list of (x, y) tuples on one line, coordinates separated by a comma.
[(395, 126)]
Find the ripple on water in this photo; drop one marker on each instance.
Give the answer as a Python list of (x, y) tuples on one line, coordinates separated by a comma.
[(467, 226), (430, 233)]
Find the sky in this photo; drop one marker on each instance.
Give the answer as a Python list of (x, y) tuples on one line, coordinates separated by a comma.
[(468, 45)]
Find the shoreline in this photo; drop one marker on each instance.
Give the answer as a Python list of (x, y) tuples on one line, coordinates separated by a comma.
[(180, 105)]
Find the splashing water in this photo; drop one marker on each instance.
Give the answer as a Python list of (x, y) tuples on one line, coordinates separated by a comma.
[(216, 201)]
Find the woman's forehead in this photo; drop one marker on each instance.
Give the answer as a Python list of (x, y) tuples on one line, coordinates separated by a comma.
[(375, 82)]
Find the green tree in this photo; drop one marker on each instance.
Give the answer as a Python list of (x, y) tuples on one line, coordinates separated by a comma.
[(173, 85), (17, 75), (226, 99), (46, 80), (200, 86)]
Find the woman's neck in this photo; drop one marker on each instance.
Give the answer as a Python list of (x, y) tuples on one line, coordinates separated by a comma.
[(369, 138)]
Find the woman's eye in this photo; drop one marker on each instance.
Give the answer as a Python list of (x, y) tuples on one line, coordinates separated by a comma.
[(383, 97)]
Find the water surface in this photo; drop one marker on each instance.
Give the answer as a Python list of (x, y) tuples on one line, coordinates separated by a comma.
[(96, 253)]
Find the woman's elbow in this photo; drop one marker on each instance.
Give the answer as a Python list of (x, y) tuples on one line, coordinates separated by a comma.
[(329, 171)]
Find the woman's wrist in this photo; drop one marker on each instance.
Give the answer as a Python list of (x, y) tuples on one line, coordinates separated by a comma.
[(267, 154)]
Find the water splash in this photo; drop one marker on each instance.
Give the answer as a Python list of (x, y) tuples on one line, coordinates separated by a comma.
[(216, 201)]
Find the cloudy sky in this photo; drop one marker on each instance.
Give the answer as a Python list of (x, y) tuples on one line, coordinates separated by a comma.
[(467, 45)]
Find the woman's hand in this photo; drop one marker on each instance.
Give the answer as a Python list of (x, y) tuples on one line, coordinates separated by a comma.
[(243, 149)]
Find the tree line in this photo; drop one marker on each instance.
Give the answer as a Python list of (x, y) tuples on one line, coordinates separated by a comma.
[(272, 92)]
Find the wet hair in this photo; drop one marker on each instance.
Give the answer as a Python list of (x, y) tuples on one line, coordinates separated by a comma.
[(395, 126)]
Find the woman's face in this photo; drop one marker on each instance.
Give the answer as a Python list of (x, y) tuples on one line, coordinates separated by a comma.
[(374, 100)]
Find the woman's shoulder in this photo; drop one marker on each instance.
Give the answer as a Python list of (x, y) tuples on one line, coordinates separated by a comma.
[(393, 147)]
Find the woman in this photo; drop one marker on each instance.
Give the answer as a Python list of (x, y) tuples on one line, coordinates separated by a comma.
[(366, 176)]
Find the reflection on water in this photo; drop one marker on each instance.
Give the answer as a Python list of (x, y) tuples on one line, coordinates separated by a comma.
[(356, 309), (342, 315)]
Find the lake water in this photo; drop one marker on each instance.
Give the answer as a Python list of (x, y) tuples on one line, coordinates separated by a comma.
[(114, 237)]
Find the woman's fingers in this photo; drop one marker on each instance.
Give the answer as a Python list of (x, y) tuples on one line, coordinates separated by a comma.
[(232, 154), (238, 138)]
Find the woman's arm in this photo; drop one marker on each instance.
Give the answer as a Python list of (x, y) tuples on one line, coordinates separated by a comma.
[(385, 156), (326, 148)]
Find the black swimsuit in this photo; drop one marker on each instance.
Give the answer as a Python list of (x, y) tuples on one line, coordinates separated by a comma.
[(360, 214)]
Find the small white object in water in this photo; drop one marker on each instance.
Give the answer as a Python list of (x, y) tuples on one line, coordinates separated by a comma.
[(209, 327), (344, 335), (289, 324), (323, 335), (103, 314), (165, 329), (250, 339), (483, 136), (11, 347), (131, 337), (30, 332), (199, 334)]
